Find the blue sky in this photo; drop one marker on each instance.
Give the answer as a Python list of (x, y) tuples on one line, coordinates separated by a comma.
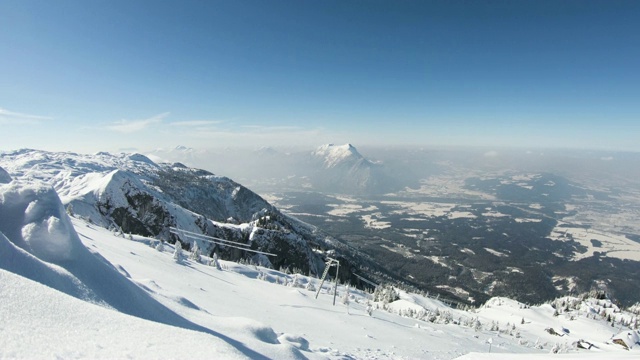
[(121, 75)]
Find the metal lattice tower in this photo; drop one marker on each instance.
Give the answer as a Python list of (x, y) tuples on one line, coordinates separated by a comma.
[(330, 262)]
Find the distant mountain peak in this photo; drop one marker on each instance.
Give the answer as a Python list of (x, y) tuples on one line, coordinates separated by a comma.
[(266, 150), (141, 158), (346, 146), (335, 154)]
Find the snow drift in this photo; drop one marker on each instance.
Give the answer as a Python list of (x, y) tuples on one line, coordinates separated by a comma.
[(44, 323), (33, 218), (39, 242)]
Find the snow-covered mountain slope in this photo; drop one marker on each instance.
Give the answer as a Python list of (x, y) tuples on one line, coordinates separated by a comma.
[(75, 176), (240, 311), (134, 195)]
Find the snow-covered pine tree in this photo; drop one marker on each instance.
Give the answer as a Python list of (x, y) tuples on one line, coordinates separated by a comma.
[(345, 297), (160, 246), (310, 286), (385, 293), (195, 252), (477, 325), (295, 282), (177, 253), (215, 262)]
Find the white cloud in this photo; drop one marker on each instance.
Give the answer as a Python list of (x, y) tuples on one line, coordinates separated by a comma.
[(272, 128), (491, 153), (248, 135), (213, 133), (130, 126), (10, 117), (193, 123)]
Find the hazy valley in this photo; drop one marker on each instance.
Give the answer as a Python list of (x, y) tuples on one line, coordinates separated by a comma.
[(474, 223)]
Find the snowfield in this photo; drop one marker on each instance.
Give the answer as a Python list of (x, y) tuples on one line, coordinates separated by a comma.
[(40, 322), (71, 289), (608, 244)]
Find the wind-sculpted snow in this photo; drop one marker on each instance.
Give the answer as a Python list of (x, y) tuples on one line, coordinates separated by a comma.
[(39, 242), (21, 262), (34, 218)]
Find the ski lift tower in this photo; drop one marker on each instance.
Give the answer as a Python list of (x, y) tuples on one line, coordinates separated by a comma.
[(330, 262)]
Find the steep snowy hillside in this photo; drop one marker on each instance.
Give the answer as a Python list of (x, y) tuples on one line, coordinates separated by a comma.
[(87, 279), (133, 195)]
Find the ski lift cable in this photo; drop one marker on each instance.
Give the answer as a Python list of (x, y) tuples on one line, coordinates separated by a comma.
[(232, 246), (365, 280), (202, 237), (198, 238)]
